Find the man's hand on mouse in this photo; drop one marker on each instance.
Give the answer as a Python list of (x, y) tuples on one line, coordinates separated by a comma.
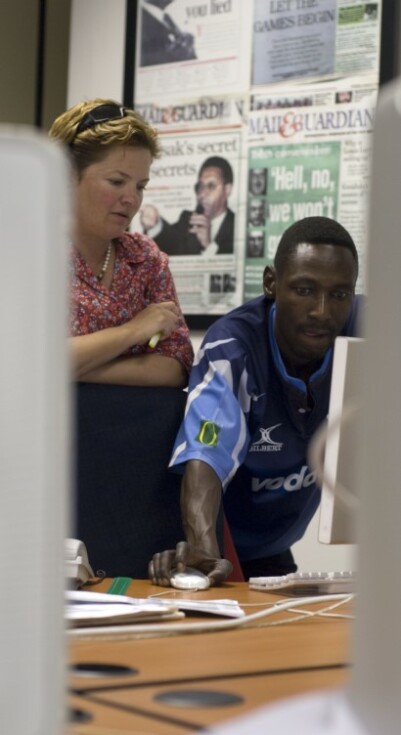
[(163, 563)]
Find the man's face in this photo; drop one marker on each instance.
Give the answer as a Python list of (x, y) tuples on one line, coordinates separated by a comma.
[(211, 192), (257, 182), (255, 245), (313, 296), (256, 212)]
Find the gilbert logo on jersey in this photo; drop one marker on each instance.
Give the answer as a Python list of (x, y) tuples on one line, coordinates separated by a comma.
[(266, 443)]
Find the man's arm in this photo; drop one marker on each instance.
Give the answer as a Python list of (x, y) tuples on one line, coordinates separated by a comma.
[(212, 443), (200, 502)]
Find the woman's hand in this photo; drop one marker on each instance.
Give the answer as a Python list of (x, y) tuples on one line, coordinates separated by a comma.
[(161, 318)]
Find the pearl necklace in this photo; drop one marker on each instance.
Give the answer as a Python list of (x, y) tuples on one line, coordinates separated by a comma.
[(106, 262)]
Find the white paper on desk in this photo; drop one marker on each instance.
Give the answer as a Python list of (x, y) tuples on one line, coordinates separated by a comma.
[(97, 608), (225, 608)]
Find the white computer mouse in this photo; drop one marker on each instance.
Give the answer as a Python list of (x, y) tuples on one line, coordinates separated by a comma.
[(190, 579)]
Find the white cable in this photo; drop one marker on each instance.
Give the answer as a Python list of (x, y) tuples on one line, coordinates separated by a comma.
[(316, 613), (169, 629)]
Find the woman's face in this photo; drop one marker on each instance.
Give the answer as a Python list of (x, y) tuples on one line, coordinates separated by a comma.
[(109, 193)]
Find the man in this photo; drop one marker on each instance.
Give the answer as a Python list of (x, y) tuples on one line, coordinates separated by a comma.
[(207, 231), (257, 216), (161, 40), (255, 244), (258, 390), (257, 182)]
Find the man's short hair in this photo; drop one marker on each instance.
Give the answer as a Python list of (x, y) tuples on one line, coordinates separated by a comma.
[(314, 231), (222, 164)]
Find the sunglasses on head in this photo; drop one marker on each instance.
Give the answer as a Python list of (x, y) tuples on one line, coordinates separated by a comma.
[(100, 114)]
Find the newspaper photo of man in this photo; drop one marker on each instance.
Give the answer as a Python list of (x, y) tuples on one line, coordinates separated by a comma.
[(162, 41), (255, 244), (257, 181), (256, 212), (208, 229)]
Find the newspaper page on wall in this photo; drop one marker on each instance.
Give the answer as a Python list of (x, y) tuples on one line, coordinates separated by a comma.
[(192, 78), (192, 204), (314, 38), (309, 154), (242, 162), (187, 45)]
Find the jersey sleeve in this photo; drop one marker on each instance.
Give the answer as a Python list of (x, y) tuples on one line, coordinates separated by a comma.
[(215, 429)]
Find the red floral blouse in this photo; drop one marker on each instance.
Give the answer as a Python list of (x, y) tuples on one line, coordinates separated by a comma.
[(141, 277)]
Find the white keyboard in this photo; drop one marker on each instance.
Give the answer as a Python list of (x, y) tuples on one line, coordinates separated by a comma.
[(306, 583)]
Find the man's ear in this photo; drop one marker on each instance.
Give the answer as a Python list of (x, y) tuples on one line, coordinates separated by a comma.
[(269, 282), (228, 189)]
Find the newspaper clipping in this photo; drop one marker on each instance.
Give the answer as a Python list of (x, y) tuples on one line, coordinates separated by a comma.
[(278, 128), (191, 209), (183, 45), (314, 38), (306, 161)]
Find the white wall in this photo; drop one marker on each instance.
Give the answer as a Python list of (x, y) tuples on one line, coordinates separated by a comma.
[(97, 41), (96, 70)]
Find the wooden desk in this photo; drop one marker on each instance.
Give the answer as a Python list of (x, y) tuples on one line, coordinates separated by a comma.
[(257, 665)]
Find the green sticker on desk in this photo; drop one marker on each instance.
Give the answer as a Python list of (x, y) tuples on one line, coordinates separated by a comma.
[(119, 585)]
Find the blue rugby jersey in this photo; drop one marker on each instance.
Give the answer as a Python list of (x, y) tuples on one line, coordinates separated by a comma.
[(249, 420)]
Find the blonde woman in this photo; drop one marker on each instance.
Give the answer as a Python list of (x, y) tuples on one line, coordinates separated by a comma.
[(122, 291)]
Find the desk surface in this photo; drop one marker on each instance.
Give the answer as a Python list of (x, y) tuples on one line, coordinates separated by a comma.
[(254, 665)]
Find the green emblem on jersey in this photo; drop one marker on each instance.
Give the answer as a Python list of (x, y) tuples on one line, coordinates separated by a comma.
[(208, 434)]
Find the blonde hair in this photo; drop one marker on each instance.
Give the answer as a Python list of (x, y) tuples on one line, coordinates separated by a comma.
[(93, 143)]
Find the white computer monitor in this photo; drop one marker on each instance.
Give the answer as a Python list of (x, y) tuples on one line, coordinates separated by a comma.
[(34, 431), (341, 445)]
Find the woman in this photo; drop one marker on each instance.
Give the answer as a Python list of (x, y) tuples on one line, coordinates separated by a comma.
[(122, 291)]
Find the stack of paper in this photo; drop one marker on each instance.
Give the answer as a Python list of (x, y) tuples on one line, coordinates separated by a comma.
[(226, 608), (97, 608)]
